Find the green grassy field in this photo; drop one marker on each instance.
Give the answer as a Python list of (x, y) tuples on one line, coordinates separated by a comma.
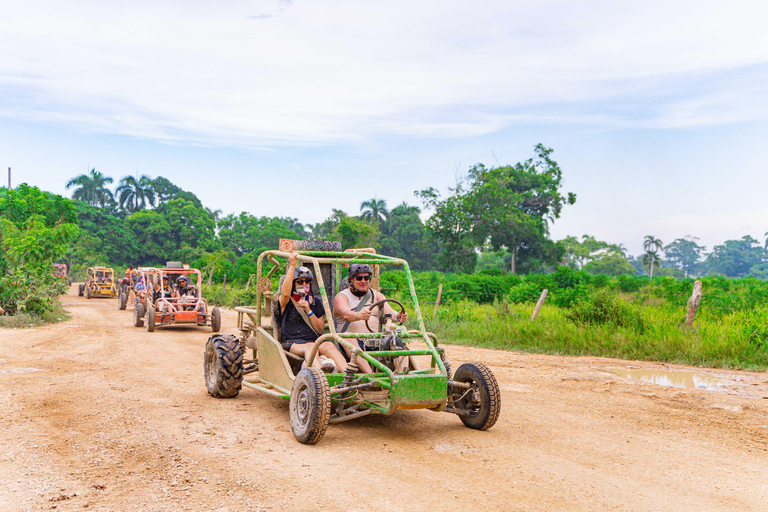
[(736, 340), (628, 317)]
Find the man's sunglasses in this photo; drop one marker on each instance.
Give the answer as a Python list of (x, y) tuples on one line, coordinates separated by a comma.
[(362, 278), (303, 281)]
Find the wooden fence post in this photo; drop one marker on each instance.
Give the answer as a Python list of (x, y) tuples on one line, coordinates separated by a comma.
[(543, 296), (437, 303), (248, 284), (225, 283), (693, 304)]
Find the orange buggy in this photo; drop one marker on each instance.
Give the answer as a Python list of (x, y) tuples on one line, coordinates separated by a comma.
[(163, 305)]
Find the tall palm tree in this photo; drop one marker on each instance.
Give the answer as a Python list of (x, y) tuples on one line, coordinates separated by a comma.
[(651, 260), (133, 195), (374, 210), (652, 245), (91, 188)]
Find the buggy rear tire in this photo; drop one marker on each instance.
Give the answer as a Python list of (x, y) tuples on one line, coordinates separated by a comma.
[(310, 405), (223, 366), (80, 290), (87, 293), (215, 320), (151, 319), (138, 315), (122, 300), (484, 400)]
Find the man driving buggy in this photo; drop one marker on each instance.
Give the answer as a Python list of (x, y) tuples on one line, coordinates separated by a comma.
[(184, 288), (302, 318), (352, 309)]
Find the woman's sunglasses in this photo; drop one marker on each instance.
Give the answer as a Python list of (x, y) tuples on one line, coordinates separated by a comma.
[(362, 278), (303, 281)]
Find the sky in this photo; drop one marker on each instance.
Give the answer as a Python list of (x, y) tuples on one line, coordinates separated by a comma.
[(657, 111)]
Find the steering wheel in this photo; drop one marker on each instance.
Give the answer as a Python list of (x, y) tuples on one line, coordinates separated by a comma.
[(379, 304)]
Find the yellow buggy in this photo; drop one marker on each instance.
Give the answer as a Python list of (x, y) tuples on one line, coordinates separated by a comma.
[(256, 359), (99, 282)]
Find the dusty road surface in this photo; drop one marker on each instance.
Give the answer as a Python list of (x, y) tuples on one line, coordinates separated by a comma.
[(97, 414)]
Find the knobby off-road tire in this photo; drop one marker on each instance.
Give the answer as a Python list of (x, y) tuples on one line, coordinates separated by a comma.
[(215, 320), (223, 366), (122, 300), (485, 399), (310, 405), (151, 318), (80, 290), (138, 315), (87, 293)]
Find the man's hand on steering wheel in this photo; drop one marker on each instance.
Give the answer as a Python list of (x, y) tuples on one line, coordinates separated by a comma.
[(363, 314)]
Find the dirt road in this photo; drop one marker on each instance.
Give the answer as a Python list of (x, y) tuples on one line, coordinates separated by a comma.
[(98, 414)]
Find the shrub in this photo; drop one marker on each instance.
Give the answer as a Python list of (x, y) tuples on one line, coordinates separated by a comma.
[(604, 307), (525, 292)]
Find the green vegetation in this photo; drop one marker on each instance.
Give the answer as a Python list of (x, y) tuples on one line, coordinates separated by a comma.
[(35, 230), (487, 242), (624, 317)]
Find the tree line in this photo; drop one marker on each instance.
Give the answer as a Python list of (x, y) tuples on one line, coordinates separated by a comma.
[(494, 220)]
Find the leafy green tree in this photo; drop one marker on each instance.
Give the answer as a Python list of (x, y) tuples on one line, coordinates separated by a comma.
[(501, 207), (610, 264), (357, 233), (685, 253), (189, 224), (28, 255), (134, 194), (326, 230), (244, 233), (166, 191), (374, 210), (23, 202), (405, 236), (735, 258), (155, 243), (451, 225), (579, 253), (91, 188), (116, 242)]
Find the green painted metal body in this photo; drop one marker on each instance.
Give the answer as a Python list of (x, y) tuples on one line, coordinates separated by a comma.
[(383, 391)]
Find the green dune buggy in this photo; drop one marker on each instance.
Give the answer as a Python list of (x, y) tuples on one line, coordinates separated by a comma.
[(256, 359)]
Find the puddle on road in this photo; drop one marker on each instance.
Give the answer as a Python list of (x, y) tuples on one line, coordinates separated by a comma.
[(677, 379)]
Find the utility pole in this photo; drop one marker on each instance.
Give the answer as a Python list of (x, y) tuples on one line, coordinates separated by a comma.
[(9, 178)]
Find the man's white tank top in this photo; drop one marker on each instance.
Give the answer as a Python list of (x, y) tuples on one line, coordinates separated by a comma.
[(358, 326)]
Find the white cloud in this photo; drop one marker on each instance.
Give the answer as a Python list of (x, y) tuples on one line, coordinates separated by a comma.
[(269, 73)]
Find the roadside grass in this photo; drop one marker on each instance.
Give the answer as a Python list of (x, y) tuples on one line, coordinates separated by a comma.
[(737, 340), (618, 325), (27, 320)]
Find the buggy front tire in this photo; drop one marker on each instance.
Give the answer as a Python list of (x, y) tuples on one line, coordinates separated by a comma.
[(138, 315), (87, 293), (122, 300), (484, 398), (80, 290), (310, 405), (151, 318), (215, 320), (223, 366)]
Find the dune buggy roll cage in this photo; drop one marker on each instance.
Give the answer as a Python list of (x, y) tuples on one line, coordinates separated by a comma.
[(382, 376)]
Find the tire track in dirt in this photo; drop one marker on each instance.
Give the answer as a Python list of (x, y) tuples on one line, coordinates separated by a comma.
[(116, 418)]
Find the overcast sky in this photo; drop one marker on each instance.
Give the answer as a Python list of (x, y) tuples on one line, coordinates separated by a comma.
[(657, 111)]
